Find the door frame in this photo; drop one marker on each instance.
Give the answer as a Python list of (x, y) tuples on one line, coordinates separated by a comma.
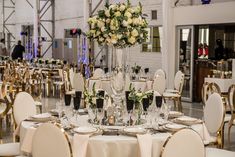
[(178, 28)]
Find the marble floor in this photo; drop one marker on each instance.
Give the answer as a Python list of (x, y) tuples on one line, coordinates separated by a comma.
[(190, 109)]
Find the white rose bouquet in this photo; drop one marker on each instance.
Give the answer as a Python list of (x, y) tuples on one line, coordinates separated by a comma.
[(119, 25)]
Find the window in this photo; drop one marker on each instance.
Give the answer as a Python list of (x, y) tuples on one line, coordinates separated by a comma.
[(154, 14), (153, 43)]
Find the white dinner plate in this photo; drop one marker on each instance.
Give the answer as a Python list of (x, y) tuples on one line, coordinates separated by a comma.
[(175, 113), (135, 130), (187, 119), (174, 127), (42, 116), (85, 130)]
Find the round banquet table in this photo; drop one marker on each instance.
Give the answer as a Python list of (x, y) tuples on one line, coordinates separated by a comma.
[(143, 85), (108, 145)]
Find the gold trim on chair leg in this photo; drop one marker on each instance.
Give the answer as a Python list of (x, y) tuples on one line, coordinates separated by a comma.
[(1, 128)]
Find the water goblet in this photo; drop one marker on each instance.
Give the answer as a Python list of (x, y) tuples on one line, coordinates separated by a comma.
[(91, 115)]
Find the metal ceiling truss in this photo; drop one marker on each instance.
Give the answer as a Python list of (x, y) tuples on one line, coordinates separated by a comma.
[(46, 6), (8, 11)]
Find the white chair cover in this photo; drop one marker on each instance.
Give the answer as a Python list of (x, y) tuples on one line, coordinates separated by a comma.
[(24, 107), (78, 82), (160, 72), (184, 143), (50, 141), (214, 113), (98, 73), (71, 76), (91, 83), (231, 97), (179, 81), (159, 84)]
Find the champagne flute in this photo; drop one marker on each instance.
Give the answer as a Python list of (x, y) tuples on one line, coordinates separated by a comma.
[(100, 113)]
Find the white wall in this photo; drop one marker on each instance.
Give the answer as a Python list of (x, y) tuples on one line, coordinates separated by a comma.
[(205, 14)]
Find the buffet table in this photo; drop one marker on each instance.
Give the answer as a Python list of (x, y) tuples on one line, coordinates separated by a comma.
[(108, 145)]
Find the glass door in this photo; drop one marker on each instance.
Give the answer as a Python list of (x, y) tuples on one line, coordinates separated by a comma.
[(185, 59)]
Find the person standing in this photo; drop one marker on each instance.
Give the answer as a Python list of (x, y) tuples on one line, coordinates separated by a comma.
[(3, 50), (18, 51), (219, 51)]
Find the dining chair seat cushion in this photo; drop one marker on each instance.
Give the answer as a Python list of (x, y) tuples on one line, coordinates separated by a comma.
[(10, 149), (211, 139), (172, 91), (170, 95), (72, 92), (214, 152)]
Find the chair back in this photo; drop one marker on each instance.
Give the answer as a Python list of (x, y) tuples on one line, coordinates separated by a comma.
[(98, 73), (213, 88), (91, 83), (180, 146), (23, 107), (214, 112), (204, 92), (78, 82), (179, 81), (231, 98), (50, 141), (160, 72), (159, 84), (71, 76)]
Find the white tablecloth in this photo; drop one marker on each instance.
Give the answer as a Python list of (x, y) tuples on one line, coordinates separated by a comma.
[(224, 84), (107, 146)]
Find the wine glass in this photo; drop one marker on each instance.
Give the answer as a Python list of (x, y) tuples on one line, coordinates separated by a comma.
[(129, 103), (76, 103), (165, 110), (100, 113), (67, 99), (91, 115), (78, 94), (134, 116), (59, 108), (145, 102), (158, 101), (126, 118)]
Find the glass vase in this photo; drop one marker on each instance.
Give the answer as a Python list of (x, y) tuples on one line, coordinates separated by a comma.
[(138, 108), (118, 79)]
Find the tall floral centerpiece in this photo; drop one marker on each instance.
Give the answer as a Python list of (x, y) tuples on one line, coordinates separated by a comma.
[(119, 26)]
